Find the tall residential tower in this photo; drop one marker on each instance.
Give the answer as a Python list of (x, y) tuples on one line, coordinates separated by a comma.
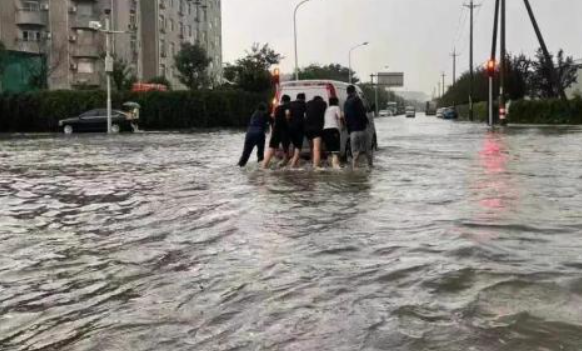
[(57, 33)]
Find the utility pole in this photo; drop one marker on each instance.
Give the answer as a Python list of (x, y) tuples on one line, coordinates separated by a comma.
[(471, 6), (554, 75), (443, 75), (375, 93), (492, 61), (455, 55), (502, 63)]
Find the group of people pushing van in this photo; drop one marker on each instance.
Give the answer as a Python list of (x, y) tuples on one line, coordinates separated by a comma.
[(319, 121)]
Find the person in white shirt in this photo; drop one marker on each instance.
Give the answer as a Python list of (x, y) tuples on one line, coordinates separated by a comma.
[(331, 130)]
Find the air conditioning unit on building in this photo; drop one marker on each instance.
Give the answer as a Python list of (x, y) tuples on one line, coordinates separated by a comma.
[(49, 35), (45, 7), (72, 38), (73, 9), (74, 66)]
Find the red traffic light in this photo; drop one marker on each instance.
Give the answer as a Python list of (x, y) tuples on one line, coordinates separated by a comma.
[(491, 67)]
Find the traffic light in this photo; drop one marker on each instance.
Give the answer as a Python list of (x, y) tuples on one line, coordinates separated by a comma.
[(491, 67), (276, 76)]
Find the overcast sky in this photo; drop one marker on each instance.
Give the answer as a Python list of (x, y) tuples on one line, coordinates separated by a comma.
[(411, 36)]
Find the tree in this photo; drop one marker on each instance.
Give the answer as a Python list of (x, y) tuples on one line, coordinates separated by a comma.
[(251, 72), (192, 62), (122, 75), (541, 80), (331, 71), (3, 54), (161, 80)]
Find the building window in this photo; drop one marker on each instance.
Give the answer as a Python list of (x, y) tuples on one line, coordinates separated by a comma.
[(85, 9), (190, 31), (173, 49), (181, 29), (172, 25), (162, 70), (86, 66), (163, 48), (32, 6), (31, 35)]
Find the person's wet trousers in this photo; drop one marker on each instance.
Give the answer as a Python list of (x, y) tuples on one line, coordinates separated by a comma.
[(252, 140)]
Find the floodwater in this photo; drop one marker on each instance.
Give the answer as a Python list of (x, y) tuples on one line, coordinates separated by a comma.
[(459, 239)]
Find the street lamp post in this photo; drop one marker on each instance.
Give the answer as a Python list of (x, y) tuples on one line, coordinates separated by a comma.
[(295, 37), (350, 59), (96, 25)]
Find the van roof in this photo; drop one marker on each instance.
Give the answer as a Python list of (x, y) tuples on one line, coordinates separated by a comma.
[(313, 82)]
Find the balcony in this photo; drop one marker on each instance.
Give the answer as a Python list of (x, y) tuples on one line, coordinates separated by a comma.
[(86, 80), (82, 22), (32, 18), (31, 47), (89, 51)]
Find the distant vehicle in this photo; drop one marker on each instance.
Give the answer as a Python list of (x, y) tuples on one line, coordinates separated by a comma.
[(327, 89), (440, 112), (410, 112), (392, 107), (450, 113), (385, 113), (431, 108), (96, 121)]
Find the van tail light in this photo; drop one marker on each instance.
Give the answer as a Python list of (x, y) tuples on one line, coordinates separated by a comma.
[(331, 90)]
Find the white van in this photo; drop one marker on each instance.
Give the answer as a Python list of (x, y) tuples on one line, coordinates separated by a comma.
[(328, 89)]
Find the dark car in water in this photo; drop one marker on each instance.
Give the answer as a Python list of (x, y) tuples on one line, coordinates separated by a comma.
[(450, 113), (96, 121)]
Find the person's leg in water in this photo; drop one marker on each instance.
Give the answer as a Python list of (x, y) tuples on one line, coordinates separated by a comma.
[(316, 152), (250, 143), (335, 161), (286, 144), (273, 146), (261, 148)]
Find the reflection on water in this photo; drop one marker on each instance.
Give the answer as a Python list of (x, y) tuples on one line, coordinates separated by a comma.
[(460, 239)]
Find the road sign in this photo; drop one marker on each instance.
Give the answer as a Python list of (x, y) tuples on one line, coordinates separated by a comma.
[(391, 79)]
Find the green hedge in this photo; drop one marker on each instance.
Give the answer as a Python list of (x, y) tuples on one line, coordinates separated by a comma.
[(41, 111), (546, 112), (480, 112), (531, 112)]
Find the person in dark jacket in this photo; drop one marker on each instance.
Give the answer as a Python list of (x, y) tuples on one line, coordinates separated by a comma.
[(296, 124), (280, 132), (314, 122), (357, 123), (255, 136)]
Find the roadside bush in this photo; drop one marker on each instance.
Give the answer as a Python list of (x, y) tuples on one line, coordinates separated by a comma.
[(41, 111), (554, 111)]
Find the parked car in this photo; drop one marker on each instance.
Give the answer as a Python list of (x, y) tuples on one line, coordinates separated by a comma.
[(96, 121), (327, 89), (410, 112), (450, 113)]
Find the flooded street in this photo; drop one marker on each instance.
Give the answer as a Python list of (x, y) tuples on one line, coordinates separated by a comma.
[(459, 239)]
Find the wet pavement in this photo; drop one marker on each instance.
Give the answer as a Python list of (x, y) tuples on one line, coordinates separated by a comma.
[(459, 239)]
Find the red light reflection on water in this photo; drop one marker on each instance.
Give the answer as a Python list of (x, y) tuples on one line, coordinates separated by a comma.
[(493, 189)]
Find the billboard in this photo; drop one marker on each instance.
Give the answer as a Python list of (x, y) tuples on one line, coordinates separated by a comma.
[(391, 80)]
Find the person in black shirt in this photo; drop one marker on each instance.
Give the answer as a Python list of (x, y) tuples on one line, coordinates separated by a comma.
[(256, 135), (296, 135), (280, 132), (357, 123), (314, 122)]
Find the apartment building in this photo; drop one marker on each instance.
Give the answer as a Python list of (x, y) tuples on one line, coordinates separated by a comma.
[(58, 31), (170, 23)]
